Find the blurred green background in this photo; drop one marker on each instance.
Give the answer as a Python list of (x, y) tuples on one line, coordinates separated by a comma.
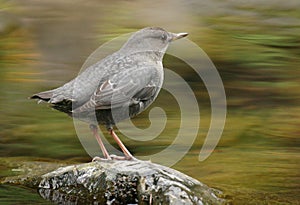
[(255, 46)]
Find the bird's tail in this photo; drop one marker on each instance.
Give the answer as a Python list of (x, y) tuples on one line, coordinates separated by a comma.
[(49, 96), (45, 96)]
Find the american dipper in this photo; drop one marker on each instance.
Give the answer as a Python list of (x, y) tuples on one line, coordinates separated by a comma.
[(118, 87)]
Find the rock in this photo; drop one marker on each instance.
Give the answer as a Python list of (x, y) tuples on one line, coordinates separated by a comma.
[(26, 172), (124, 182)]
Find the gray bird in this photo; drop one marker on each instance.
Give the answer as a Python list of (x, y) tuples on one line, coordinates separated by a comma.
[(118, 87)]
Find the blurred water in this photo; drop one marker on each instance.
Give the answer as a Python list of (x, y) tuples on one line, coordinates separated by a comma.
[(255, 46)]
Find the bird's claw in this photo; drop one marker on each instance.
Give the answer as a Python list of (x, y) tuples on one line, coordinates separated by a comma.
[(113, 157), (95, 159)]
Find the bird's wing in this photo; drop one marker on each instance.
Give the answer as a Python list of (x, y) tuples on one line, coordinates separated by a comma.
[(121, 89)]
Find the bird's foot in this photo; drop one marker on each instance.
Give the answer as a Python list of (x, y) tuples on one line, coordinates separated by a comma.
[(113, 157), (95, 159)]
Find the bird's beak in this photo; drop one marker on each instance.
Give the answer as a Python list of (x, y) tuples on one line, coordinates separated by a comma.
[(176, 36)]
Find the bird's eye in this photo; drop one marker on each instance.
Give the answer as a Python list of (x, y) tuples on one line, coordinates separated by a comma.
[(164, 37)]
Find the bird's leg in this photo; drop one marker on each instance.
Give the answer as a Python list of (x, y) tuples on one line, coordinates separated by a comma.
[(94, 129), (127, 154)]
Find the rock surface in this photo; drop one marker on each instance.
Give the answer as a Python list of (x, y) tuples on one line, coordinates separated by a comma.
[(124, 182), (26, 172)]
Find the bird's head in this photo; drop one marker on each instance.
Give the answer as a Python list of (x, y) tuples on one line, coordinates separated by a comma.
[(151, 39)]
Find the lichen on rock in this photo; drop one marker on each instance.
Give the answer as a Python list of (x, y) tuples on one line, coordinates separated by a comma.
[(124, 182)]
